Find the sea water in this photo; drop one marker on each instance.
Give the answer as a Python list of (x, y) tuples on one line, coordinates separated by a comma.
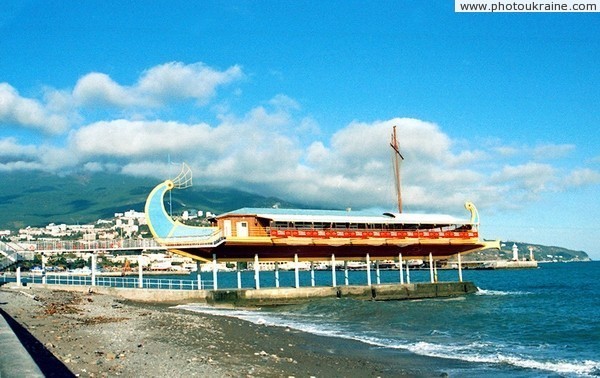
[(522, 322)]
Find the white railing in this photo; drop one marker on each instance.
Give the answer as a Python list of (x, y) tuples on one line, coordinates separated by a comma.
[(95, 245), (12, 253), (110, 245), (118, 282)]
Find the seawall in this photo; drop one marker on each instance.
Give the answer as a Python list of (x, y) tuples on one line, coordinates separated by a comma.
[(281, 296)]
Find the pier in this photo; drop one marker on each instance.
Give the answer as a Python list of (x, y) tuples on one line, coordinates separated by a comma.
[(342, 282)]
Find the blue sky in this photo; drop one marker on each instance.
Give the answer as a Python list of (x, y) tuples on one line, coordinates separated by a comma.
[(297, 100)]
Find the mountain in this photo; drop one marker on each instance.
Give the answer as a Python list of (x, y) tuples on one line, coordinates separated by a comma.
[(37, 199), (540, 253)]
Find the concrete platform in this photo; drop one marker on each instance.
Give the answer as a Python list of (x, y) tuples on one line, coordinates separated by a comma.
[(287, 296), (281, 296), (15, 361)]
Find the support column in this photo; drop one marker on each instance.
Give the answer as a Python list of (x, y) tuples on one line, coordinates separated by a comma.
[(296, 274), (368, 259), (407, 273), (238, 273), (346, 272), (431, 267), (256, 272), (460, 279), (276, 274), (215, 283), (377, 273), (333, 277), (312, 274), (18, 276), (93, 269), (198, 275), (140, 274), (44, 270), (435, 278), (400, 269)]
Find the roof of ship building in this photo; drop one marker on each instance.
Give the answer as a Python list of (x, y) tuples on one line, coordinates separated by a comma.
[(361, 216)]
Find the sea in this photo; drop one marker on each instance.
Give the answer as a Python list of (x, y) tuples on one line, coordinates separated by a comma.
[(521, 322)]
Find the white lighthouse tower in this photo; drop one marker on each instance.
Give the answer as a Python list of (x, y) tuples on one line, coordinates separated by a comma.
[(531, 258), (515, 250)]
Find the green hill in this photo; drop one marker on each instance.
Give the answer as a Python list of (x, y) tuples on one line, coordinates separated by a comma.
[(540, 253), (37, 199)]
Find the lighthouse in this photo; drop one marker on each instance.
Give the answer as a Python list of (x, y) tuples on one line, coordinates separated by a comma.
[(515, 250), (531, 258)]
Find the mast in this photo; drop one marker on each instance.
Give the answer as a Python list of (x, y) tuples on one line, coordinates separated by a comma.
[(396, 156)]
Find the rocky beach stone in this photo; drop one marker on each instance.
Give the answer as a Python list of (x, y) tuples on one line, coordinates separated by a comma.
[(96, 335)]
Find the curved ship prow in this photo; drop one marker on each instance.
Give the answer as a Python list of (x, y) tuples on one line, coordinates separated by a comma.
[(169, 232)]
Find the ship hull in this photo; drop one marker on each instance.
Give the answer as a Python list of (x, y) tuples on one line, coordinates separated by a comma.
[(273, 250)]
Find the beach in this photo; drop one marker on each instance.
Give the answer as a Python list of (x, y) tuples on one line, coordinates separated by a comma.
[(88, 334)]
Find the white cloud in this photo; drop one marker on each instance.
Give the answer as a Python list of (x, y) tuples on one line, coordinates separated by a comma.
[(552, 151), (9, 147), (273, 148), (259, 152), (98, 88), (157, 86), (124, 138), (531, 177), (27, 112), (581, 177)]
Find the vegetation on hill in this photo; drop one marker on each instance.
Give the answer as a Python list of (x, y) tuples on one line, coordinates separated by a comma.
[(37, 199), (540, 253)]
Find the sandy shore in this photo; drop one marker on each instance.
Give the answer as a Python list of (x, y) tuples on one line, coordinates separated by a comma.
[(91, 335)]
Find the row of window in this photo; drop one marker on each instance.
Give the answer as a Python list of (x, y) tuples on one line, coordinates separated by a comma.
[(365, 226)]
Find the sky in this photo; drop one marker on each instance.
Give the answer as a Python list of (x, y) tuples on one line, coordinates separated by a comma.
[(297, 100)]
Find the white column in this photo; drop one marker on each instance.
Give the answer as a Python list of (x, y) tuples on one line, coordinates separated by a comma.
[(18, 276), (93, 269), (400, 269), (368, 259), (435, 278), (333, 277), (312, 274), (198, 275), (44, 269), (431, 267), (346, 272), (460, 279), (407, 273), (256, 272), (296, 274), (215, 283), (276, 274), (238, 273), (140, 274), (377, 273)]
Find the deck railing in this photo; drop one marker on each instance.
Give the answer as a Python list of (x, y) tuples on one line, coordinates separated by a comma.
[(107, 281)]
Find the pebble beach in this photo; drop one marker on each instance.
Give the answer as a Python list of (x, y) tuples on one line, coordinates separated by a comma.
[(87, 334)]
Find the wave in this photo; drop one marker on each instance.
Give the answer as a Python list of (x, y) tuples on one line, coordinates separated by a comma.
[(465, 352), (481, 291), (478, 352)]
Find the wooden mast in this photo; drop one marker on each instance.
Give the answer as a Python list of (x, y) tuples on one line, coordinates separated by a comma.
[(396, 156)]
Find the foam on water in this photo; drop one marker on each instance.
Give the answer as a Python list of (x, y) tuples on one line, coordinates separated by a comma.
[(500, 292), (478, 352), (525, 322)]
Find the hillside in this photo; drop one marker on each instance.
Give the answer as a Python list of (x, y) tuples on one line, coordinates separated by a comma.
[(36, 199), (540, 253)]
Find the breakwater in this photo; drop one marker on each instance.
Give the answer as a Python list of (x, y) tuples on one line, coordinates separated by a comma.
[(282, 296)]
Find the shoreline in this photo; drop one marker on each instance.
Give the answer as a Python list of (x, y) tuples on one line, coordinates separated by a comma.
[(102, 335)]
